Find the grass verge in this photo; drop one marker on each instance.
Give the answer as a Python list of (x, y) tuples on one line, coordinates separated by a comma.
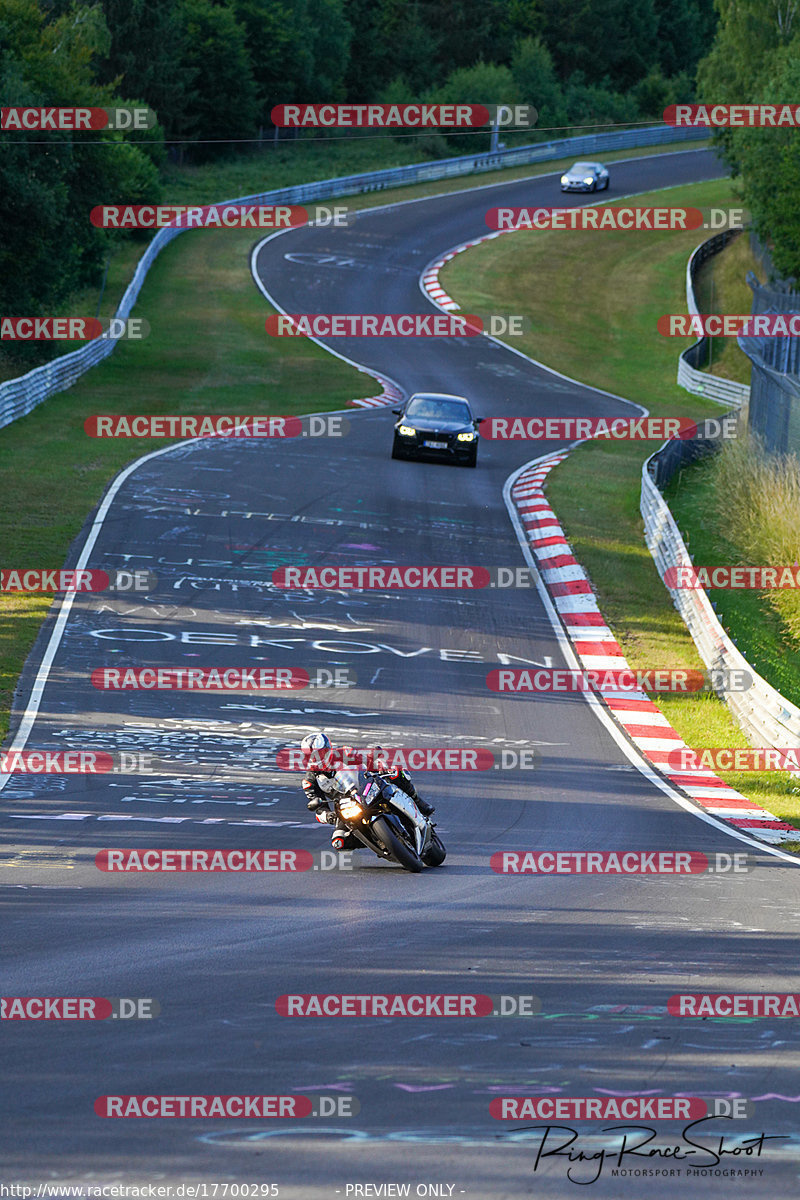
[(722, 527), (591, 302)]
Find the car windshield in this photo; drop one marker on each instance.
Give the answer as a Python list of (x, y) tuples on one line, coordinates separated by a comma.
[(583, 167), (427, 408)]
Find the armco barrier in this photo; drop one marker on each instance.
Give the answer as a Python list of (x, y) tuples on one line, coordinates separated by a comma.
[(19, 396), (765, 716), (774, 410), (711, 387), (700, 383)]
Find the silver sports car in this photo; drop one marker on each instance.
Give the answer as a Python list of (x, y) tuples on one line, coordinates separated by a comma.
[(585, 177)]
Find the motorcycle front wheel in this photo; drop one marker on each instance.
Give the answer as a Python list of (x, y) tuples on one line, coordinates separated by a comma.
[(396, 847), (435, 855)]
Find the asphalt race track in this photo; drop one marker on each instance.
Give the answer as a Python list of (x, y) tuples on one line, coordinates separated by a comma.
[(213, 519)]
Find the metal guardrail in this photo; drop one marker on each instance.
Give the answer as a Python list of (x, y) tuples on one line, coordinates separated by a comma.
[(20, 396), (679, 452), (766, 717), (701, 383), (712, 387), (774, 410)]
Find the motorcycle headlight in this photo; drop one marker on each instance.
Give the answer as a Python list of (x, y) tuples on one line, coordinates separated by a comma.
[(350, 810), (467, 437), (406, 430)]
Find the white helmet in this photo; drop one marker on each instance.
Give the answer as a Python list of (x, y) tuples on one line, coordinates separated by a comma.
[(316, 741)]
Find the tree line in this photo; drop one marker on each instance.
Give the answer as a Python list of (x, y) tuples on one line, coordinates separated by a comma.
[(755, 58), (213, 69)]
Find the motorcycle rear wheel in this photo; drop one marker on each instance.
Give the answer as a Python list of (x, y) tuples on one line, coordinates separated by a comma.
[(395, 845)]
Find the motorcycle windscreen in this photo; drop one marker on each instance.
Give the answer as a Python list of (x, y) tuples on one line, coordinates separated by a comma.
[(345, 780)]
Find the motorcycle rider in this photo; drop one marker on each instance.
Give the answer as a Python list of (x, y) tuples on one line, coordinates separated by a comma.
[(318, 800)]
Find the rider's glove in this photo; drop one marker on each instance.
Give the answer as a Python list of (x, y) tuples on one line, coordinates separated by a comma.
[(325, 816)]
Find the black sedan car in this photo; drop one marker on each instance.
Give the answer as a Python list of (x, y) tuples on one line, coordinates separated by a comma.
[(585, 177), (438, 426)]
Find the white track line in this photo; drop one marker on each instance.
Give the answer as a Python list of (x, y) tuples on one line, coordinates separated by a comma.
[(382, 379)]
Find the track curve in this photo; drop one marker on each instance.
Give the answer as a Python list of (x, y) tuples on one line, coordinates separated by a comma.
[(213, 520)]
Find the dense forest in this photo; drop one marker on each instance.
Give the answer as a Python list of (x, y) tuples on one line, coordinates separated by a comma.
[(213, 69), (756, 57)]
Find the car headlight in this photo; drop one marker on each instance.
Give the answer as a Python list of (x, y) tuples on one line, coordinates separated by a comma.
[(565, 178), (350, 810), (589, 179), (406, 430), (467, 437)]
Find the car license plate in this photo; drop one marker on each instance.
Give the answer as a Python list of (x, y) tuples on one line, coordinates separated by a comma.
[(435, 445)]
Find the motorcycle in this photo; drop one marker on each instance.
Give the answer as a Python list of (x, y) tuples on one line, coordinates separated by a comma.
[(384, 818)]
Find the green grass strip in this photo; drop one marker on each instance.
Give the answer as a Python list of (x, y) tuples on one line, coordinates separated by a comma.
[(590, 302)]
